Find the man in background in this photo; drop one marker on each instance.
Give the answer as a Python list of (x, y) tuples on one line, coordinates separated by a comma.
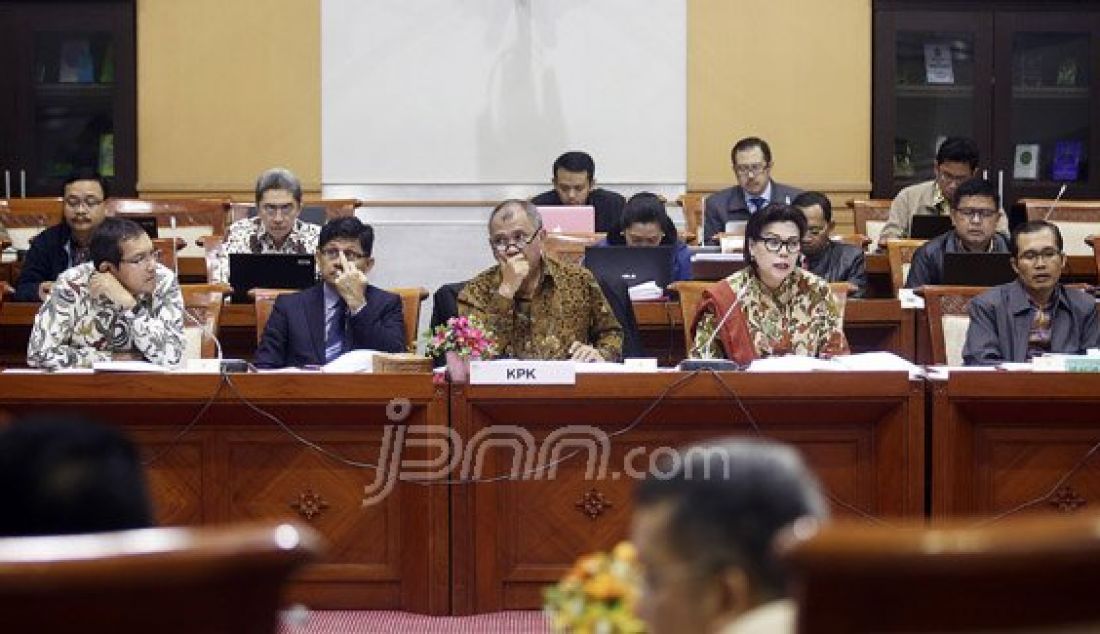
[(752, 165), (824, 257), (275, 228), (65, 244), (574, 179), (956, 162), (975, 214), (704, 531)]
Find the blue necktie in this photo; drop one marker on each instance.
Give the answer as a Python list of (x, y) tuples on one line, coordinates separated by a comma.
[(334, 331), (758, 202)]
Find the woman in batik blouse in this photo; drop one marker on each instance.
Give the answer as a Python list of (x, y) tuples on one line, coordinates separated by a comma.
[(774, 306)]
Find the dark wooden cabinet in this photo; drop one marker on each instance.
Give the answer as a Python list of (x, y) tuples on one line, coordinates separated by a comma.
[(1016, 77), (70, 98)]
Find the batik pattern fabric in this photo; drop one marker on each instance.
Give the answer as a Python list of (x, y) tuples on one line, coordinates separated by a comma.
[(567, 306), (248, 235), (799, 317), (75, 330)]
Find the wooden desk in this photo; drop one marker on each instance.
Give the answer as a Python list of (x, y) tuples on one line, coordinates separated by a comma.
[(862, 434), (1002, 439), (1079, 269), (235, 464)]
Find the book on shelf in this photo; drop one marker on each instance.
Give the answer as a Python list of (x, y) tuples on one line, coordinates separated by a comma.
[(75, 65), (1026, 166), (937, 63), (1066, 163)]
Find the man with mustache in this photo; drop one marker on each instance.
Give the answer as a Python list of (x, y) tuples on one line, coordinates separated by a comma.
[(65, 244)]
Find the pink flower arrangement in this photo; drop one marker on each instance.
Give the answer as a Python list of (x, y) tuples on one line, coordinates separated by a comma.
[(463, 335)]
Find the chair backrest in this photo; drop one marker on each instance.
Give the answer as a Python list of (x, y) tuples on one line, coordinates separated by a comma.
[(948, 320), (203, 303), (693, 204), (211, 251), (411, 298), (185, 218), (854, 239), (265, 303), (169, 252), (900, 253), (870, 216), (317, 212), (569, 247), (165, 580), (1076, 219), (691, 294), (25, 218), (1035, 573)]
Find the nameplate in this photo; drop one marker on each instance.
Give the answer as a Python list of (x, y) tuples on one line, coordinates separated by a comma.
[(519, 372)]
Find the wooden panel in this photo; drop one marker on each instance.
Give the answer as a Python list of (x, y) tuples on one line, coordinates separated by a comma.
[(1015, 442), (514, 533), (235, 462)]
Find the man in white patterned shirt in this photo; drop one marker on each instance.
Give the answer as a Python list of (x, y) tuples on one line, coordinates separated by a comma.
[(122, 304), (275, 228)]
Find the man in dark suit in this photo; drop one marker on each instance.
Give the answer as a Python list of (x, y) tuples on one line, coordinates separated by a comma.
[(65, 244), (341, 313), (575, 184), (824, 257), (752, 164)]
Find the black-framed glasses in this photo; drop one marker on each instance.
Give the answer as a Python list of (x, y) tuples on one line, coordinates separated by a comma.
[(333, 253), (751, 170), (1046, 254), (89, 202), (519, 240), (143, 258), (976, 213), (773, 244)]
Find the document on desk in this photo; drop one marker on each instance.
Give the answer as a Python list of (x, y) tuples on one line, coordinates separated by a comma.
[(129, 366), (863, 362)]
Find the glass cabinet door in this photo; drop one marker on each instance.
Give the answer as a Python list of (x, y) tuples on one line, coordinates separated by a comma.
[(1047, 128), (937, 72)]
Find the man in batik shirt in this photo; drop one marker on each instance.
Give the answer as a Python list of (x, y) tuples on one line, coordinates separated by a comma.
[(122, 304), (536, 307), (275, 228)]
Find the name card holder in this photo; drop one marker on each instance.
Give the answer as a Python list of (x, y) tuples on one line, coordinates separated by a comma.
[(522, 372)]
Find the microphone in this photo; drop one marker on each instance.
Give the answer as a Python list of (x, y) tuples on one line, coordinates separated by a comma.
[(1050, 211), (710, 363)]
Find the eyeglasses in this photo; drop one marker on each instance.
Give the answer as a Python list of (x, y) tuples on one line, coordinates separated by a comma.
[(144, 258), (976, 213), (953, 178), (773, 244), (1047, 255), (271, 209), (90, 202), (520, 241), (334, 254), (637, 240), (751, 170)]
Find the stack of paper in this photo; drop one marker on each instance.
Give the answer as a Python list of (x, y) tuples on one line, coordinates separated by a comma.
[(647, 291)]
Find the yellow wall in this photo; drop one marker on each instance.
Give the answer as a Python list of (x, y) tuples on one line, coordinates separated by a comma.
[(226, 89), (795, 72)]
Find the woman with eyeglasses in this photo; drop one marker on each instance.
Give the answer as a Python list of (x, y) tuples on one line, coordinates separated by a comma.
[(645, 223), (771, 307)]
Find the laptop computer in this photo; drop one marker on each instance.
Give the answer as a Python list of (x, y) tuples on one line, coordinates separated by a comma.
[(977, 269), (558, 219), (269, 270), (149, 223), (633, 265), (925, 227)]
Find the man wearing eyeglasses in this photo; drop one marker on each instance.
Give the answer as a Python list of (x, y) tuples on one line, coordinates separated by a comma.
[(537, 307), (1034, 314), (341, 313), (119, 304), (752, 165), (956, 163), (821, 255), (65, 244), (975, 214), (275, 228)]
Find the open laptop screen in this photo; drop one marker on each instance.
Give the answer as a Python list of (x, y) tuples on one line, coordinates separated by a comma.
[(977, 269), (633, 265), (269, 270)]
